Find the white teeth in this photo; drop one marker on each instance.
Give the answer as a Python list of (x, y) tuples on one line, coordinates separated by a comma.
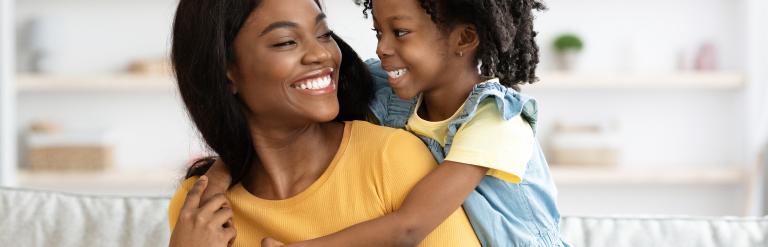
[(316, 84), (397, 73)]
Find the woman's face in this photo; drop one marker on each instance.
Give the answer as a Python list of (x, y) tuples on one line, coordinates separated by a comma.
[(286, 67)]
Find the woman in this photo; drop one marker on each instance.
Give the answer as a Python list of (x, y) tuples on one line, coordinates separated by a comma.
[(260, 80)]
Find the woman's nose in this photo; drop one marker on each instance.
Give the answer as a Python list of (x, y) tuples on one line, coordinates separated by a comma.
[(316, 53)]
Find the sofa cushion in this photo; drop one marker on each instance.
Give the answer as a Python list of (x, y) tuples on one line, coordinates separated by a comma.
[(675, 231), (52, 219), (40, 218)]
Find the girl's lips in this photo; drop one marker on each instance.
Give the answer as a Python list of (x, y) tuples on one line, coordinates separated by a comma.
[(394, 82), (395, 76)]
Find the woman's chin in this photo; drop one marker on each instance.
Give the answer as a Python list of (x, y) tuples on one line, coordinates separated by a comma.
[(323, 115)]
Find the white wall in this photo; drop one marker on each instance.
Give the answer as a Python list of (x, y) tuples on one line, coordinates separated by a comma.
[(660, 127), (7, 95), (82, 36), (644, 35)]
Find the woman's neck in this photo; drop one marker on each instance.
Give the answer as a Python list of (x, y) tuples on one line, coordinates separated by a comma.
[(441, 102), (290, 159)]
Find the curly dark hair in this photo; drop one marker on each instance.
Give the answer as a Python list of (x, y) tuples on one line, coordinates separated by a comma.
[(507, 48)]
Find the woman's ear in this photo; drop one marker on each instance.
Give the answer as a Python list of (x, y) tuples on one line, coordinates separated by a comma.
[(465, 39), (232, 82)]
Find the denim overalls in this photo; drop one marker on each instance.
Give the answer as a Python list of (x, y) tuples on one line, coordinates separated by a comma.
[(501, 213)]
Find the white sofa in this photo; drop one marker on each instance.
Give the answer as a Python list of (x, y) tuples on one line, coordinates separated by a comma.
[(51, 219)]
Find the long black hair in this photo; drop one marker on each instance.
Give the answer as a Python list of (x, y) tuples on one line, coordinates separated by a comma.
[(507, 48), (202, 48)]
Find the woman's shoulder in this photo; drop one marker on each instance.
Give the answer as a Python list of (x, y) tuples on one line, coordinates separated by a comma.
[(368, 129), (381, 139)]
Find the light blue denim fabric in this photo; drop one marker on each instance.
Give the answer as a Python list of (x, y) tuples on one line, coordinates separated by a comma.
[(501, 213)]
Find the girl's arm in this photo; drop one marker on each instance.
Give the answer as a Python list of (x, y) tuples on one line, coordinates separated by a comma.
[(429, 203)]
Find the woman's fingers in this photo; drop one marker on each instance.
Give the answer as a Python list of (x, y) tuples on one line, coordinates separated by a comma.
[(222, 217), (219, 180), (192, 201), (230, 233), (214, 204)]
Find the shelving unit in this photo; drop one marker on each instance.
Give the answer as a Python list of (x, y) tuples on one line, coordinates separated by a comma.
[(548, 81), (117, 82), (679, 175), (8, 146), (116, 181), (676, 81)]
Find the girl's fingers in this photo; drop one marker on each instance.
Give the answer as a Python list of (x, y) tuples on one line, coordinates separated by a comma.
[(192, 201), (269, 242)]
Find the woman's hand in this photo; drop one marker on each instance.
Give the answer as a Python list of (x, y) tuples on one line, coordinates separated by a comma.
[(219, 180), (270, 242), (203, 225)]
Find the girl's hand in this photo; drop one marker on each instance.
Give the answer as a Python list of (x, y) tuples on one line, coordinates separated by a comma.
[(269, 242), (203, 225)]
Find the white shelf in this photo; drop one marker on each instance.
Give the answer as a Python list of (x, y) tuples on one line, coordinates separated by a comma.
[(549, 81), (686, 80), (116, 82), (649, 176), (123, 181)]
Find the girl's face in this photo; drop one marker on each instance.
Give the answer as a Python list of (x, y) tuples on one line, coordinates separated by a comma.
[(412, 49), (286, 69)]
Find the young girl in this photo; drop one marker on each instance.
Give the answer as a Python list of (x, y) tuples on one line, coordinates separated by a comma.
[(477, 126)]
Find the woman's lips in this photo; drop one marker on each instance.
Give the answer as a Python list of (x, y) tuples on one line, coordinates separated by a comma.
[(317, 83)]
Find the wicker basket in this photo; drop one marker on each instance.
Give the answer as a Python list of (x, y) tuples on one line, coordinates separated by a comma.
[(76, 157)]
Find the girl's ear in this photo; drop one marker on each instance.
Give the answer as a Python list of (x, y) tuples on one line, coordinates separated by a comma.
[(465, 39)]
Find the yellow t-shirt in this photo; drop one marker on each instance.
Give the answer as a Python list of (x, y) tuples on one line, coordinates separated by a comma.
[(372, 172), (487, 140)]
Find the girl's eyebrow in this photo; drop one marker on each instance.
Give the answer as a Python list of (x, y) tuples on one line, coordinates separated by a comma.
[(288, 24), (399, 17)]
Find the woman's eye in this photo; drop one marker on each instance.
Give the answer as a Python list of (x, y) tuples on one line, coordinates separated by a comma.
[(285, 44), (326, 36)]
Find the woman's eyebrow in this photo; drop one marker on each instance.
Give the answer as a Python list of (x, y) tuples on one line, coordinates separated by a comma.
[(279, 24), (288, 24)]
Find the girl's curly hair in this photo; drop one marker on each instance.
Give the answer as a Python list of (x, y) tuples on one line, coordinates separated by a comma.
[(507, 48)]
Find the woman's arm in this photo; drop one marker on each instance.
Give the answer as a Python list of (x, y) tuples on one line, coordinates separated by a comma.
[(432, 200)]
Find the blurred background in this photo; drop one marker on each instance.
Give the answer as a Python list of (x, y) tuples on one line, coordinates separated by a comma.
[(646, 107)]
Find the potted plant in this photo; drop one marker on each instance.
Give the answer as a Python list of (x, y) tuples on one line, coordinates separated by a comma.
[(567, 47)]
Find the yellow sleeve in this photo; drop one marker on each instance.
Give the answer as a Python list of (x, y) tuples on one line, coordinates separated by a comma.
[(487, 140), (177, 201), (405, 161)]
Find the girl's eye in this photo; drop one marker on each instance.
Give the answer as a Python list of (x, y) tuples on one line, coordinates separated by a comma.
[(378, 33), (400, 33), (285, 44)]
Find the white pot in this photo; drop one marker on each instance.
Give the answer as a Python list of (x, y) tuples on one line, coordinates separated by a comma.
[(567, 60)]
